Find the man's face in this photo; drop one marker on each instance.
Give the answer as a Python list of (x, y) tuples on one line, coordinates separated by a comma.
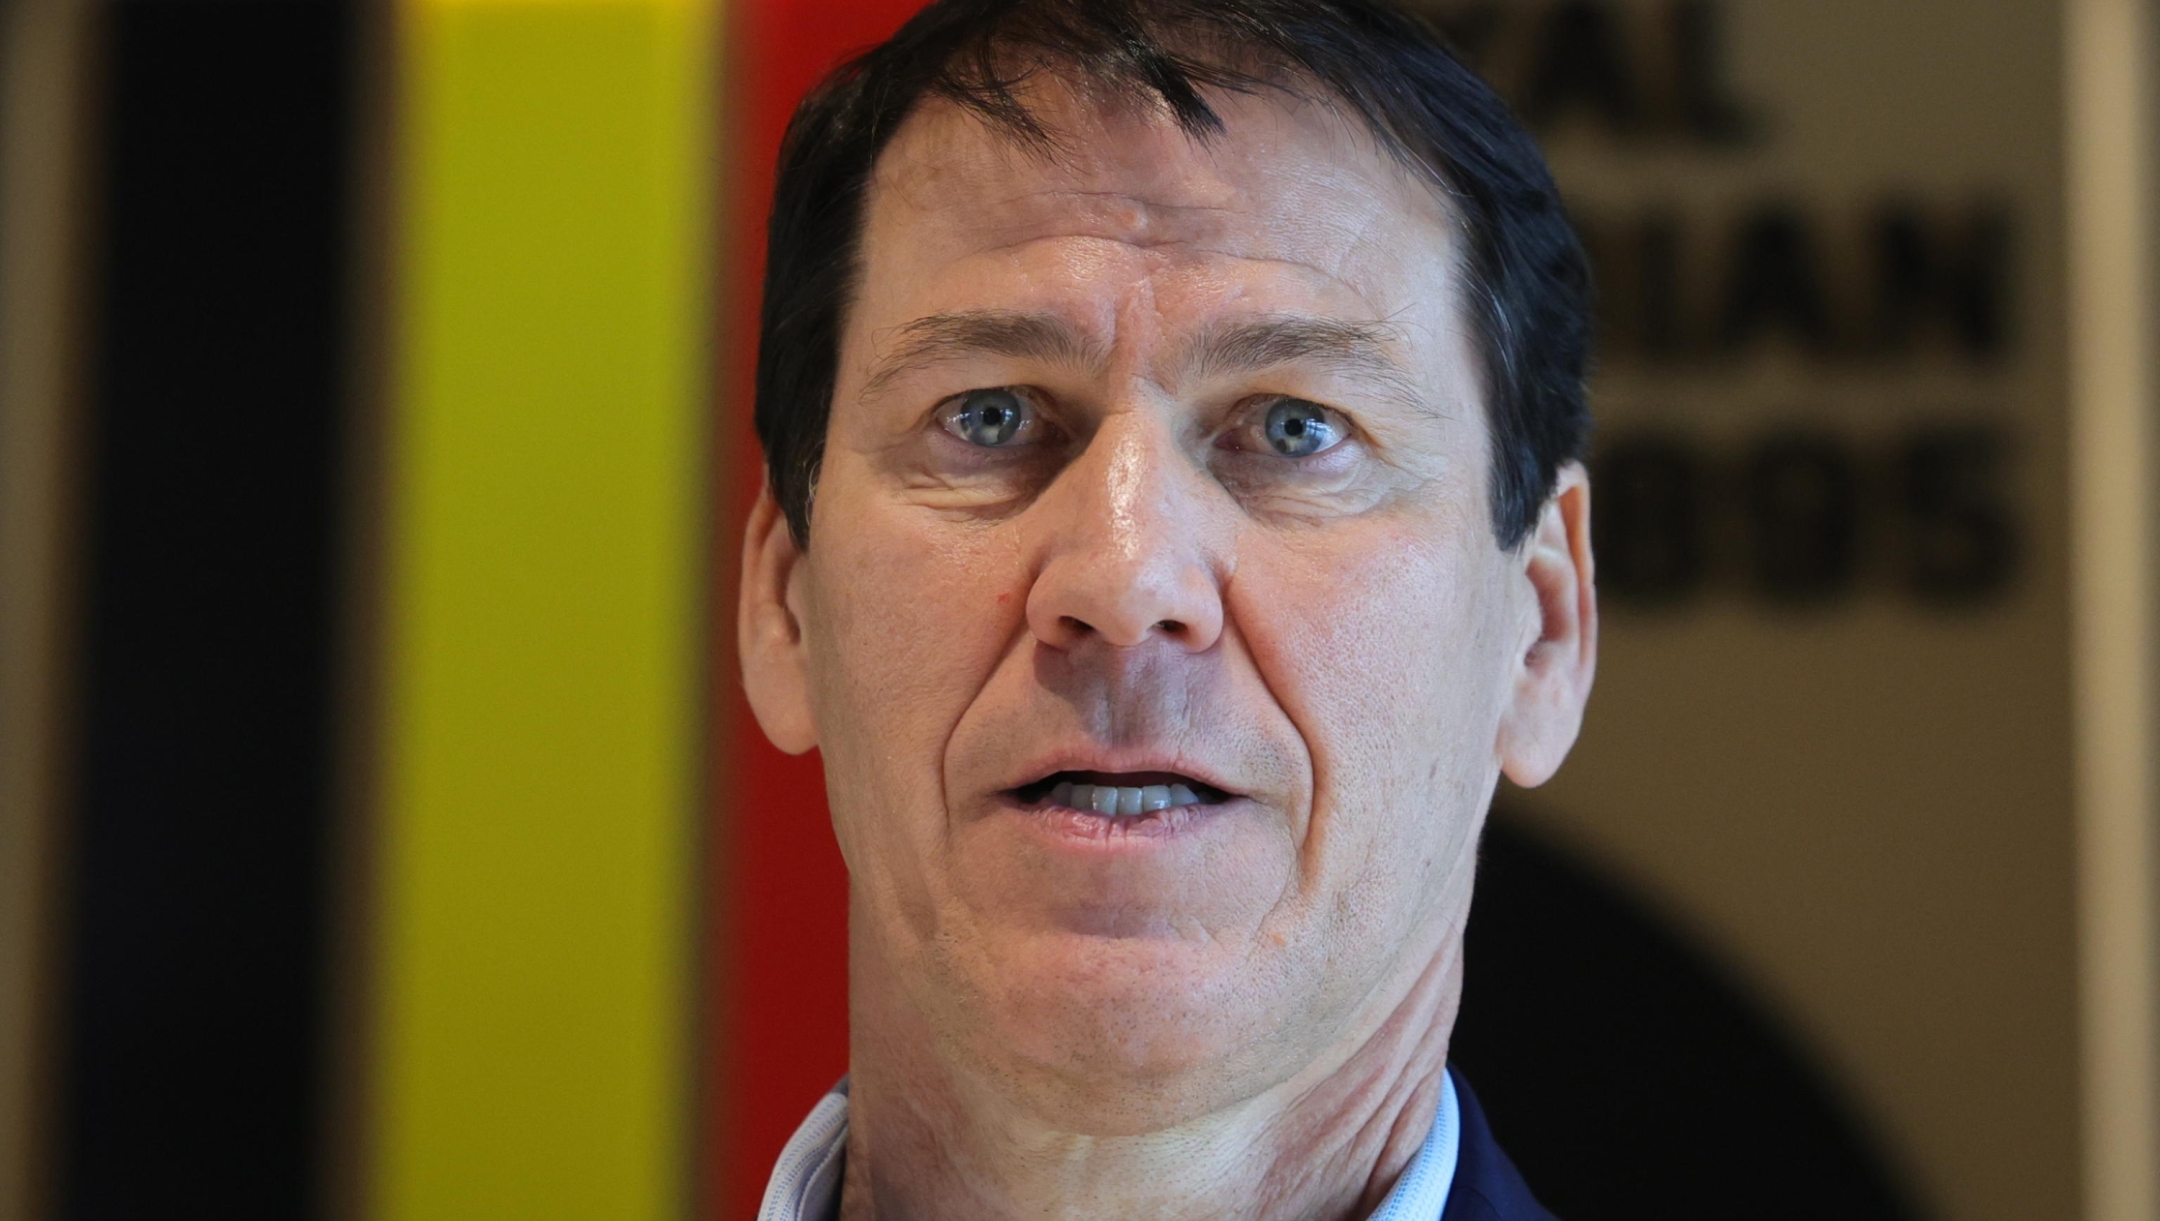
[(1154, 464)]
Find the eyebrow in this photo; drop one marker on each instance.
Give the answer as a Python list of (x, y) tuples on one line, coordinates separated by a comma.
[(1356, 348), (1264, 343), (927, 342)]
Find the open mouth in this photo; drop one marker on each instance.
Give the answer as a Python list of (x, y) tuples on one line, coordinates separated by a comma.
[(1119, 794)]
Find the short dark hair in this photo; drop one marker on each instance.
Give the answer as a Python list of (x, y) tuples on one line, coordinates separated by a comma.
[(1528, 279)]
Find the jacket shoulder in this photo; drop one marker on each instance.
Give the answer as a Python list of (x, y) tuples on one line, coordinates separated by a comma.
[(1487, 1186)]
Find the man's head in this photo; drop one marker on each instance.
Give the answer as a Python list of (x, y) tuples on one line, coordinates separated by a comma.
[(1164, 402)]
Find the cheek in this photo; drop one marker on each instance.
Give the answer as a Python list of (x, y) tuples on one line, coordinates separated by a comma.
[(1380, 641), (902, 625)]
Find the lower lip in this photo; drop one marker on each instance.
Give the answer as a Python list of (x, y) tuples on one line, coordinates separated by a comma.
[(1089, 827)]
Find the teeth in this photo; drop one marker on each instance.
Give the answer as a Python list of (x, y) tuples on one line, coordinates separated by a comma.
[(1122, 801)]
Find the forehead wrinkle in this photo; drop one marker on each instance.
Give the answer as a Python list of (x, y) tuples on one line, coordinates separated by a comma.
[(1148, 224), (1137, 234), (1161, 247)]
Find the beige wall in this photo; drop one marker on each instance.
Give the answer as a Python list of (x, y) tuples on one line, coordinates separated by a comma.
[(1867, 806)]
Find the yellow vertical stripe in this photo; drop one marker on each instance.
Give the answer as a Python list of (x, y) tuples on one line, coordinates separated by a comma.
[(535, 952)]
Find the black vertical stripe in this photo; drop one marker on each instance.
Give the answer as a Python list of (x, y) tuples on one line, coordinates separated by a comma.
[(191, 1077)]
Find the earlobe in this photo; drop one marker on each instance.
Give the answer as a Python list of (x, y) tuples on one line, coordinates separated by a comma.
[(1555, 671), (768, 635)]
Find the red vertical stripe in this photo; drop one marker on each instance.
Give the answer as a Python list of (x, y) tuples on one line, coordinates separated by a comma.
[(784, 1029)]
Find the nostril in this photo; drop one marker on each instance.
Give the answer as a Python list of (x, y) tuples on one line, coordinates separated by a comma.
[(1171, 627), (1078, 627)]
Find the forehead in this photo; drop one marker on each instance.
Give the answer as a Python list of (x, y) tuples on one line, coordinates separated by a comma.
[(1293, 206)]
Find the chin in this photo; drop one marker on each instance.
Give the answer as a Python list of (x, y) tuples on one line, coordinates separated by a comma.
[(1123, 1035)]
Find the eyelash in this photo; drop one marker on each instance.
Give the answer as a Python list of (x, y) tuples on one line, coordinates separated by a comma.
[(1039, 422), (1252, 422)]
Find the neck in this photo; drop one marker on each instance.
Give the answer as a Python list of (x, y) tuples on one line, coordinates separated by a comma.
[(928, 1140)]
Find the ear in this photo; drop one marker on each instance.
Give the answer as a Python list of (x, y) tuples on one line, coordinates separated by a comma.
[(768, 629), (1555, 667)]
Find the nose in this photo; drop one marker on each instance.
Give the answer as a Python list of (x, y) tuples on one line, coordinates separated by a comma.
[(1129, 555)]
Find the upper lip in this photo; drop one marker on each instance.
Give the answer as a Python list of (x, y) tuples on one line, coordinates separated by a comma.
[(1115, 761)]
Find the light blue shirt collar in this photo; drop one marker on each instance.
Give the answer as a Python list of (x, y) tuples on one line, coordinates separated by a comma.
[(805, 1184), (1422, 1191)]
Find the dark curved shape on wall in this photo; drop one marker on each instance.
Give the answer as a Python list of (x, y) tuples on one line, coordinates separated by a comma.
[(1630, 1075)]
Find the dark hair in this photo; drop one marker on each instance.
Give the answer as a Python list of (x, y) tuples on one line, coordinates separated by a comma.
[(1529, 282)]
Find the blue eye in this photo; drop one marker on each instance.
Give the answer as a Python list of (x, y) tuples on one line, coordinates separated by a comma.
[(992, 419), (1298, 429)]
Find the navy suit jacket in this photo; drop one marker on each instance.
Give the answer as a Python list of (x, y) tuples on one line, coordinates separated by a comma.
[(1487, 1186)]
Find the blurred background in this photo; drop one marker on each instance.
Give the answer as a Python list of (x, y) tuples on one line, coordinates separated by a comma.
[(381, 831)]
